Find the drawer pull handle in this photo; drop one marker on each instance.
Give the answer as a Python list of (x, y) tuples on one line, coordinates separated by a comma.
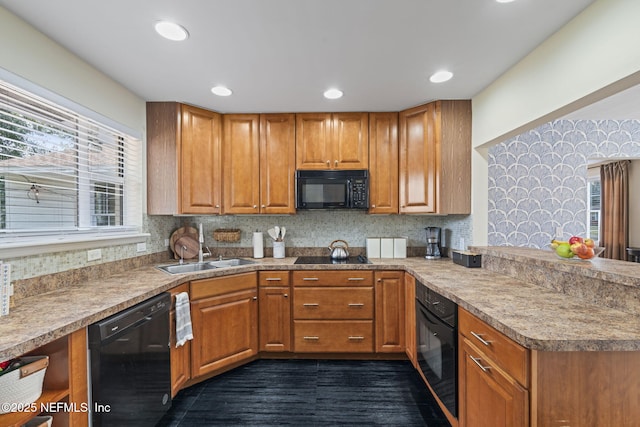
[(355, 279), (477, 361), (356, 305), (311, 338), (482, 340), (310, 304), (310, 278), (273, 279), (356, 338)]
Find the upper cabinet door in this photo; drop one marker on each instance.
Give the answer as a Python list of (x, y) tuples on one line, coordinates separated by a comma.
[(241, 164), (350, 141), (418, 162), (313, 132), (383, 163), (435, 158), (277, 163), (199, 172), (332, 141), (183, 159)]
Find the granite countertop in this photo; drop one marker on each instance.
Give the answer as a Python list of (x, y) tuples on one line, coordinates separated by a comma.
[(535, 316)]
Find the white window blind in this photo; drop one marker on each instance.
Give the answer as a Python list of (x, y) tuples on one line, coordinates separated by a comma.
[(62, 172)]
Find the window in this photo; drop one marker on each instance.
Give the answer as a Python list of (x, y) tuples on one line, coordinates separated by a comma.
[(594, 208), (62, 172)]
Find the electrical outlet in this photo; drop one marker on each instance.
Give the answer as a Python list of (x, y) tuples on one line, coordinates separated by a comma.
[(141, 247), (166, 243), (94, 254), (462, 243), (559, 232)]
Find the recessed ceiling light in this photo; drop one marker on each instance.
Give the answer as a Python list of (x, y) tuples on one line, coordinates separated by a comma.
[(221, 91), (504, 1), (441, 76), (333, 94), (171, 31)]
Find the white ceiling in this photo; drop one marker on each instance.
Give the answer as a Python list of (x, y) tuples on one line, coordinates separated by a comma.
[(280, 55)]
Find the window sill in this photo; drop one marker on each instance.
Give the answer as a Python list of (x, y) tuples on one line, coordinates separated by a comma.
[(26, 246)]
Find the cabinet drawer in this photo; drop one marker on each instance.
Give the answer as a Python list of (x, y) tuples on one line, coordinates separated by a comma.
[(333, 278), (508, 355), (216, 286), (333, 303), (273, 278), (355, 336)]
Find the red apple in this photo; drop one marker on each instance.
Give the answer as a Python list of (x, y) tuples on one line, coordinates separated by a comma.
[(575, 239)]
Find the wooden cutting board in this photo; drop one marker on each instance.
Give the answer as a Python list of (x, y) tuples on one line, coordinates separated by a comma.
[(190, 247), (180, 232)]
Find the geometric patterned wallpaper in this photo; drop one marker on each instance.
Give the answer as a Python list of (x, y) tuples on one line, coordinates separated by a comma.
[(538, 180)]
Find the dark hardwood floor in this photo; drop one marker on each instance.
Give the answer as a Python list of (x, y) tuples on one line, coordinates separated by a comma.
[(309, 393)]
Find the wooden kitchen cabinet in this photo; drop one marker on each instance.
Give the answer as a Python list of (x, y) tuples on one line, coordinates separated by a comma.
[(383, 163), (277, 163), (410, 319), (180, 356), (259, 163), (183, 159), (333, 311), (224, 313), (241, 163), (65, 381), (493, 377), (488, 396), (275, 311), (332, 141), (435, 158), (390, 311)]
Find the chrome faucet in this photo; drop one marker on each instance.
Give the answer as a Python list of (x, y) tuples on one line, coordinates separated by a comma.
[(182, 254), (201, 253)]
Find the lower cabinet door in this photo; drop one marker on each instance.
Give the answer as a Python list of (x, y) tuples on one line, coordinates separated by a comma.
[(275, 319), (489, 397), (180, 358), (224, 331), (333, 336)]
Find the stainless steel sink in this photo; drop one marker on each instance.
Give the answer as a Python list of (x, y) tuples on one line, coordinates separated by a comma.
[(203, 266), (231, 262)]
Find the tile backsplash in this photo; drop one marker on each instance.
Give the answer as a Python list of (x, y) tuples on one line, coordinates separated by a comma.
[(306, 229), (538, 180)]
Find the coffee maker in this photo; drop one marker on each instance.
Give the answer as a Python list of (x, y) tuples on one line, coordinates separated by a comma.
[(433, 243)]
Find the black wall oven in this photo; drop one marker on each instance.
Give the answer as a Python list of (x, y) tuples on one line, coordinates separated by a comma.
[(437, 344)]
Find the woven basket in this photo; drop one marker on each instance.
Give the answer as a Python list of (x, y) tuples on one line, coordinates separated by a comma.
[(23, 386), (227, 234)]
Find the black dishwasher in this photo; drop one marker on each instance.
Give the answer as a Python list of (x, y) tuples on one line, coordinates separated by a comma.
[(130, 368)]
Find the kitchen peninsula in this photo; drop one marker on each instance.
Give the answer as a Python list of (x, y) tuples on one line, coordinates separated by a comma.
[(578, 321)]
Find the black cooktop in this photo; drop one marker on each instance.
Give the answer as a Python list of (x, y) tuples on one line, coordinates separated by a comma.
[(360, 259)]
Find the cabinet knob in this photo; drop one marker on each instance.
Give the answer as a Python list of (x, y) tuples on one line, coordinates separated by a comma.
[(328, 163), (373, 206), (217, 206), (264, 206), (255, 206), (336, 163), (255, 298), (286, 295)]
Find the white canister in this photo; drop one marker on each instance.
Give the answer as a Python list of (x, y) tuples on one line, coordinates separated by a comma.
[(258, 245), (278, 249)]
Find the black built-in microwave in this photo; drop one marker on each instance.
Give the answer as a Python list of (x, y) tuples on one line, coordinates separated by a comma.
[(332, 189)]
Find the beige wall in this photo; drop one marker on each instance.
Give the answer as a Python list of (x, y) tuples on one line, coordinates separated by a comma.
[(593, 56), (29, 54)]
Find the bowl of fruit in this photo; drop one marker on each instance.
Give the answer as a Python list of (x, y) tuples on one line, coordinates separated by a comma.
[(576, 248)]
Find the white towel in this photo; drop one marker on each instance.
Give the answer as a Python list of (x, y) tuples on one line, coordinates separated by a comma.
[(183, 319)]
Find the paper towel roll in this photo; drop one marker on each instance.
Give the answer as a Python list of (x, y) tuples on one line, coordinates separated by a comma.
[(258, 245)]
